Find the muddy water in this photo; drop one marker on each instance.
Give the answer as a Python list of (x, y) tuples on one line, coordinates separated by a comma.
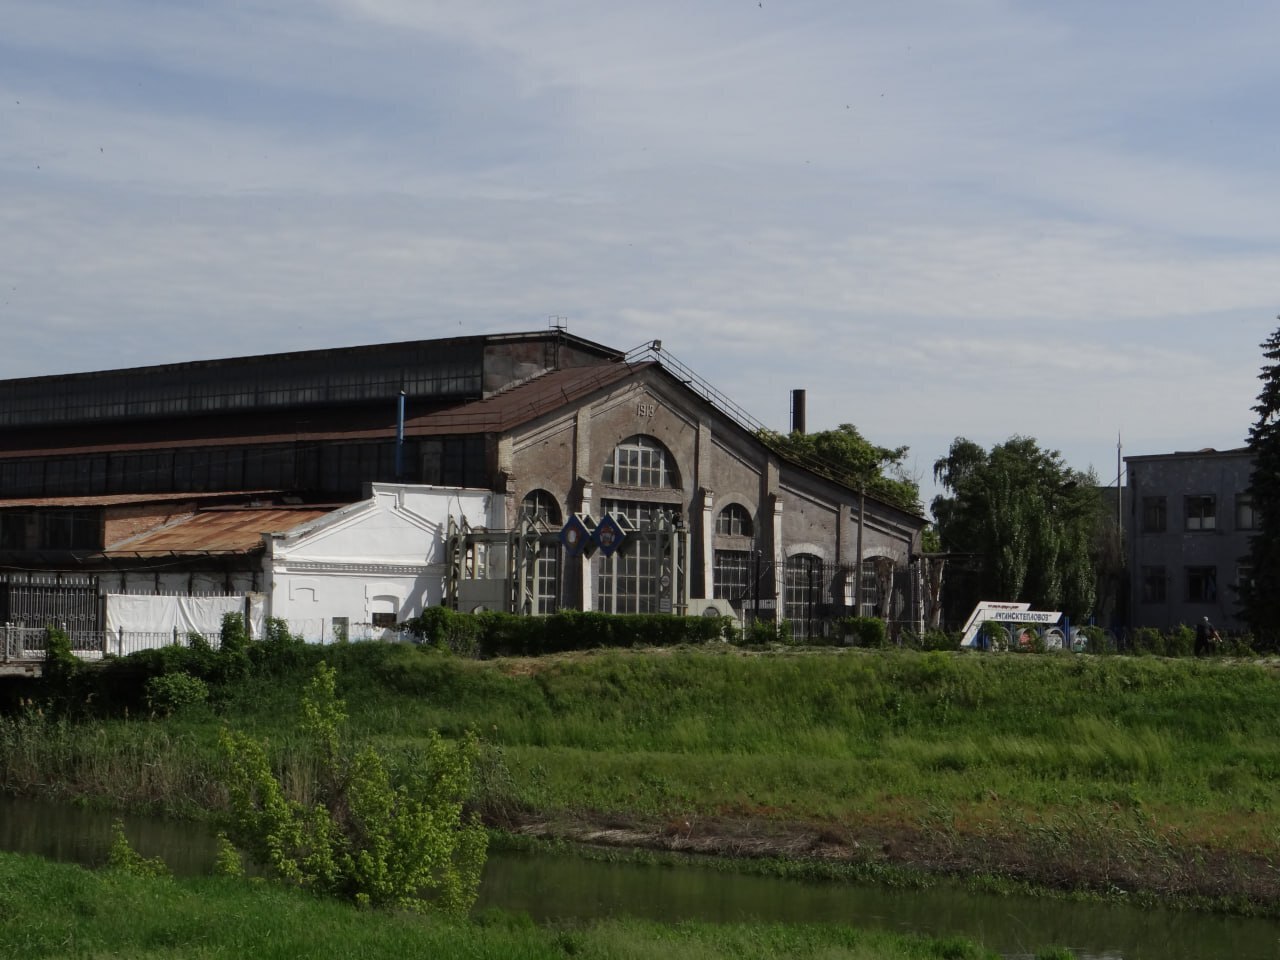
[(558, 887)]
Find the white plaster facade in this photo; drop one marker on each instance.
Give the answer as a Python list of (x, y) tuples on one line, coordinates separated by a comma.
[(381, 559)]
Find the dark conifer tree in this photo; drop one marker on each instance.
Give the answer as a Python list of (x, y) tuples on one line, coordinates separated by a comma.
[(1261, 596)]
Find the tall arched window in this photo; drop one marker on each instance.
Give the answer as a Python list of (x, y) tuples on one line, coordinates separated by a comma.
[(731, 568), (640, 461), (545, 511)]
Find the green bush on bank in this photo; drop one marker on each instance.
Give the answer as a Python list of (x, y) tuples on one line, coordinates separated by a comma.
[(164, 679), (492, 634), (376, 832)]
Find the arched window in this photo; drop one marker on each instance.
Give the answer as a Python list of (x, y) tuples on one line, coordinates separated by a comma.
[(545, 511), (640, 461), (734, 521), (542, 507)]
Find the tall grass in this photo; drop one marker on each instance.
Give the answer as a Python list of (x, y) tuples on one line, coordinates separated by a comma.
[(53, 909)]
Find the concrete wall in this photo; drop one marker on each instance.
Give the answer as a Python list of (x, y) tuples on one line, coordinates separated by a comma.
[(1182, 547)]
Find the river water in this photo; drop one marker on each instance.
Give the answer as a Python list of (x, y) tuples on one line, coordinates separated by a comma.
[(564, 887)]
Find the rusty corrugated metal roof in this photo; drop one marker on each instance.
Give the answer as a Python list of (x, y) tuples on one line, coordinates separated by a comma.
[(217, 531)]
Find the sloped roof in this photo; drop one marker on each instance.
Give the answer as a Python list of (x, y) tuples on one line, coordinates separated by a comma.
[(130, 499), (216, 531), (520, 404)]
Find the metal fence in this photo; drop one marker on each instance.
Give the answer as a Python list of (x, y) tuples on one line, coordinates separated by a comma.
[(19, 643), (29, 643)]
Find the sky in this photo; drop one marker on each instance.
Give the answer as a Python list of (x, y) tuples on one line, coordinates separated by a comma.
[(959, 218)]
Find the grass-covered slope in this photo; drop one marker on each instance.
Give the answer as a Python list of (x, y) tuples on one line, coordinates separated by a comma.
[(1097, 772)]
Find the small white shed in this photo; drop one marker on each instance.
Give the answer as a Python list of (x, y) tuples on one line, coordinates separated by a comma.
[(356, 572)]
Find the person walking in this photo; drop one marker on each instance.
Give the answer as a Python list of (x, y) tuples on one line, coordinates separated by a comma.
[(1207, 637)]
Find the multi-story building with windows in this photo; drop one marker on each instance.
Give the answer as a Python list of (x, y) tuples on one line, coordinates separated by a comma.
[(1190, 518), (553, 426)]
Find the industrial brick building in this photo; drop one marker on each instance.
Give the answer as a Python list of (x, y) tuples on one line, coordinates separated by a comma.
[(174, 478)]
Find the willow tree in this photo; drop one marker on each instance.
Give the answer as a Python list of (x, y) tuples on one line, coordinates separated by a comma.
[(1261, 596), (1025, 518)]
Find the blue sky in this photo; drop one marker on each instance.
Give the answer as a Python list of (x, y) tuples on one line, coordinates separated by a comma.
[(970, 218)]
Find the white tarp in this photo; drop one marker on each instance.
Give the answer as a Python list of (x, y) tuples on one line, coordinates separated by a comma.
[(142, 613)]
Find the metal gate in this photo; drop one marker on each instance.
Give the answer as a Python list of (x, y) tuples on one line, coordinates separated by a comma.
[(66, 600)]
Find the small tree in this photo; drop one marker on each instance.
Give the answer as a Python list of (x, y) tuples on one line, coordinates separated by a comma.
[(378, 832)]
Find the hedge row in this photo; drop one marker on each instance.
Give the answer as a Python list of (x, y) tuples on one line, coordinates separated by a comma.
[(490, 634)]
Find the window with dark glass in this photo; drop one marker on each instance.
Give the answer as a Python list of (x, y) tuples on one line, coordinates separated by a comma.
[(70, 530), (1246, 518), (545, 511), (802, 592), (628, 580), (1154, 514), (1201, 512), (1153, 584), (1244, 577), (732, 573), (640, 461), (1202, 584), (734, 521), (13, 531)]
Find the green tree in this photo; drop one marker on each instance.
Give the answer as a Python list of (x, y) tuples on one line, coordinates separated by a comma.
[(1261, 598), (844, 455), (1027, 519)]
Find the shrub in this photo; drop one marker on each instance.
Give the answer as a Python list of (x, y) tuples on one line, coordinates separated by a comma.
[(60, 664), (124, 858), (170, 692), (863, 631), (380, 832), (492, 634), (762, 632), (233, 650), (279, 651)]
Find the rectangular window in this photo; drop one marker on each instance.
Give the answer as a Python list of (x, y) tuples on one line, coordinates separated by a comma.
[(628, 581), (1202, 584), (1201, 512), (1244, 577), (1153, 584), (546, 579), (1246, 519), (341, 629), (869, 590), (13, 531), (1154, 514), (732, 575), (384, 621)]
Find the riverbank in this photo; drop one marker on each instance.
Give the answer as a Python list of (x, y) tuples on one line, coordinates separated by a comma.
[(1106, 777), (53, 909)]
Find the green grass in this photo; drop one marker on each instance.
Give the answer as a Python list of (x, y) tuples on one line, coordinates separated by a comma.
[(57, 910), (1166, 761)]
